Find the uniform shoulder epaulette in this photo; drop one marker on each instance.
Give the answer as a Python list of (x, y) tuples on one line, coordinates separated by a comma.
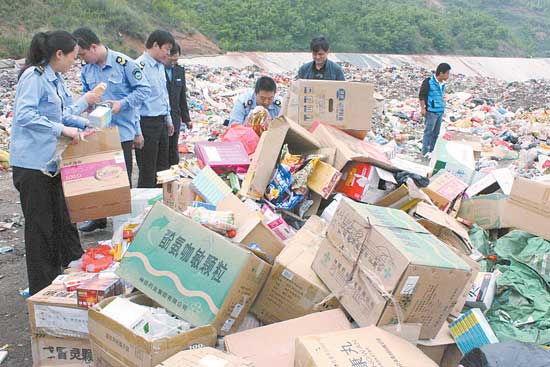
[(141, 65), (277, 102), (40, 69), (121, 60), (247, 103)]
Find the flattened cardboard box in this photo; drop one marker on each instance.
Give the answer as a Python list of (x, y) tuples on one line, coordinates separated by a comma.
[(347, 105), (193, 272), (54, 311), (281, 130), (49, 351), (528, 207), (94, 177), (204, 357), (349, 148), (293, 289), (368, 346), (273, 345), (395, 255), (115, 345), (487, 211)]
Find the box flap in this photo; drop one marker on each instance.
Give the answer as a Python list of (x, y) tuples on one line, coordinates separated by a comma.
[(101, 141), (443, 219)]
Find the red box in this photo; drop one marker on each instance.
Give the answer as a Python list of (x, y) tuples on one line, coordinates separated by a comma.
[(223, 156), (97, 290), (355, 180)]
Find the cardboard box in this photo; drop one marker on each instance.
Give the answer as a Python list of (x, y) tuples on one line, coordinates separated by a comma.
[(400, 199), (368, 346), (435, 348), (364, 182), (252, 232), (49, 351), (100, 117), (141, 199), (178, 194), (444, 189), (293, 289), (487, 211), (406, 165), (94, 177), (273, 345), (454, 157), (210, 186), (117, 346), (281, 130), (349, 148), (528, 207), (54, 311), (482, 292), (347, 105), (96, 290), (394, 255), (323, 179), (193, 272), (204, 357), (223, 156)]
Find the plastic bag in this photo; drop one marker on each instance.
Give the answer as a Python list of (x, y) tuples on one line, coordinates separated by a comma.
[(97, 259), (258, 119), (244, 134), (507, 354)]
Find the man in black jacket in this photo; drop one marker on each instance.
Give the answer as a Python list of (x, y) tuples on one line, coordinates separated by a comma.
[(175, 82)]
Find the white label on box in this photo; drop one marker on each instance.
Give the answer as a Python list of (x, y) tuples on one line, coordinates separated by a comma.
[(119, 158), (237, 310), (212, 154), (288, 274), (228, 324), (410, 284), (62, 318), (212, 361)]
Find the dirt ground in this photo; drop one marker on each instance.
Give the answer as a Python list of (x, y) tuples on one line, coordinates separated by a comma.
[(14, 317)]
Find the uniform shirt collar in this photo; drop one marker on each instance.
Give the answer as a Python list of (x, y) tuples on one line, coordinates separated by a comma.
[(110, 58), (150, 60), (50, 74)]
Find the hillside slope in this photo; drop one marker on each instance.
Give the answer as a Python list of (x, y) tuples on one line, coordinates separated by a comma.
[(466, 27)]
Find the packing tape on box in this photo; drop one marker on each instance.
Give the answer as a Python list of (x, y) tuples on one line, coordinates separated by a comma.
[(372, 278)]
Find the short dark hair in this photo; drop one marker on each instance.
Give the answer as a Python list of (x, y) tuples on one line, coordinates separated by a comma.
[(176, 50), (442, 68), (319, 43), (265, 83), (86, 38), (161, 37)]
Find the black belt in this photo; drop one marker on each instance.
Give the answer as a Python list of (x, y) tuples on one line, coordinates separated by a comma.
[(153, 117)]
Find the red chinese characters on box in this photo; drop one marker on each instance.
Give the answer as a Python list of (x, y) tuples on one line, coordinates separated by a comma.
[(97, 290)]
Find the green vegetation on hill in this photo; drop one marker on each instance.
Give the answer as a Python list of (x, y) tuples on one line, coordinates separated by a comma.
[(468, 27)]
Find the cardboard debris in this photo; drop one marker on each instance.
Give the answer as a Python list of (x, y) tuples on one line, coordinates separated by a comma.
[(444, 189), (347, 105), (204, 357), (366, 183), (292, 289), (54, 311), (94, 177), (281, 130), (178, 194), (367, 346), (455, 158), (193, 272), (323, 179), (273, 345), (394, 255), (528, 207), (487, 211), (115, 345), (442, 344), (49, 351)]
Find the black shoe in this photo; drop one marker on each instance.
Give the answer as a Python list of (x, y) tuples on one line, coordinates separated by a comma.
[(93, 225)]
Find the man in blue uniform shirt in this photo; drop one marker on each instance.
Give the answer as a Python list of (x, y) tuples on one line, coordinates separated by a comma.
[(263, 95), (155, 119), (321, 68), (126, 91)]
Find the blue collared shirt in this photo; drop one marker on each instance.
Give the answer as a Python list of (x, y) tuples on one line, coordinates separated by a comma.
[(246, 103), (125, 83), (158, 103), (43, 106)]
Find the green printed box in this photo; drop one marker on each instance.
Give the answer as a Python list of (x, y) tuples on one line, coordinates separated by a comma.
[(193, 272)]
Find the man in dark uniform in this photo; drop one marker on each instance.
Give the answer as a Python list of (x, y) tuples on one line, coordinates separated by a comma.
[(175, 82)]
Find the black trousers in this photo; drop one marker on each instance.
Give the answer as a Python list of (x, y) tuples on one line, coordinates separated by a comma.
[(51, 240), (128, 159), (173, 153), (154, 155)]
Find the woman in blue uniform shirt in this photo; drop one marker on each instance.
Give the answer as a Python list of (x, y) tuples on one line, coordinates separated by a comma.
[(43, 112)]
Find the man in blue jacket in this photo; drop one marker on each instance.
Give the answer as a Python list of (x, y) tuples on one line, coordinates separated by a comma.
[(432, 102), (321, 68)]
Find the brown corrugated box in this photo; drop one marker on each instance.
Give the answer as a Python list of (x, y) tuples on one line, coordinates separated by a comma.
[(204, 357), (49, 351)]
